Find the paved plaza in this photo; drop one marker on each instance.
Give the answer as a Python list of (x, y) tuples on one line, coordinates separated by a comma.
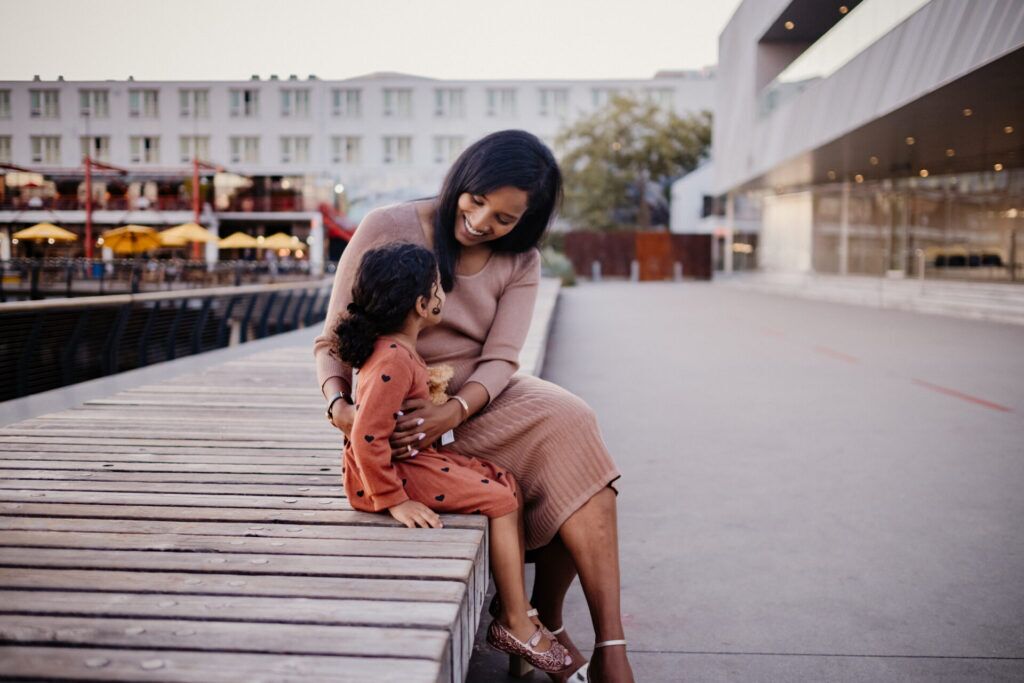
[(811, 491)]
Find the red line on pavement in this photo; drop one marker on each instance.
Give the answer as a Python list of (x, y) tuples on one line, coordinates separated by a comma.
[(839, 355), (962, 396)]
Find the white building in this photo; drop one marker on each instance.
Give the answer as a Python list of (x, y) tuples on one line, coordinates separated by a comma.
[(287, 144), (874, 136)]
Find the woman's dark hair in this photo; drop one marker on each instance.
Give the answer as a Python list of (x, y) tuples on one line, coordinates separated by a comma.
[(506, 158), (389, 281)]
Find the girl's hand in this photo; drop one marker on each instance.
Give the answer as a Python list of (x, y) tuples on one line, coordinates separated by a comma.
[(421, 424), (414, 514), (342, 416)]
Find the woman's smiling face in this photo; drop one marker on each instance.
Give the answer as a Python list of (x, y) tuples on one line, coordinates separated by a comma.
[(486, 217)]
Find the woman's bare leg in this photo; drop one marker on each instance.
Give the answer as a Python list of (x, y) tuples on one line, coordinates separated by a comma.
[(591, 537)]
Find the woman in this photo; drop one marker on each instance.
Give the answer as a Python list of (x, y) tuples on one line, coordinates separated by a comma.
[(484, 227)]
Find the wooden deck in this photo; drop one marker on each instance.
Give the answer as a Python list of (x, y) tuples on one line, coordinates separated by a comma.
[(196, 529)]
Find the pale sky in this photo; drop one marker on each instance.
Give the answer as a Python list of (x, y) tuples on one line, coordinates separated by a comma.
[(451, 39)]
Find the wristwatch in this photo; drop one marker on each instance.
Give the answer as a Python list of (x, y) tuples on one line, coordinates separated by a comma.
[(330, 403)]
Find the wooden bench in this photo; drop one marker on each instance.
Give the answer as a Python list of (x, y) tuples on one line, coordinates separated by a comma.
[(196, 529)]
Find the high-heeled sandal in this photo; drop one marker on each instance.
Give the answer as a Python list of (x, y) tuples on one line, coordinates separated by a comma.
[(604, 643), (552, 660)]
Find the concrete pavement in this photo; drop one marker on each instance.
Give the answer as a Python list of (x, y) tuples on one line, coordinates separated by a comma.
[(812, 491)]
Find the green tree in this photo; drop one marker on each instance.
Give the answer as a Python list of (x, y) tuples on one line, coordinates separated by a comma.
[(614, 156)]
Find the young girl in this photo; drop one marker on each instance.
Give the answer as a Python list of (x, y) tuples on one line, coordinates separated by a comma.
[(396, 294)]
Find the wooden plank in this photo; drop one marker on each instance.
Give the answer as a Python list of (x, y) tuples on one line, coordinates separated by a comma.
[(188, 466), (306, 518), (389, 613), (168, 449), (255, 637), (106, 664), (157, 431), (242, 563), (177, 487), (204, 389), (184, 477), (212, 583), (243, 530), (161, 438), (284, 458), (130, 445), (171, 499), (229, 544)]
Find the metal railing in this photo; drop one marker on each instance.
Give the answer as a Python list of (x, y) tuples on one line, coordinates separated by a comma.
[(32, 278), (55, 342)]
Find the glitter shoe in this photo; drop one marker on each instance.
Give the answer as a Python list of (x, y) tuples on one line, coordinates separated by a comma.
[(552, 661)]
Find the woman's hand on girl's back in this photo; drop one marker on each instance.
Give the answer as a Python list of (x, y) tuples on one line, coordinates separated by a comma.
[(343, 415), (413, 514), (420, 416)]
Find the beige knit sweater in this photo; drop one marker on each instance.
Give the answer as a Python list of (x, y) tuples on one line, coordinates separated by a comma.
[(486, 316)]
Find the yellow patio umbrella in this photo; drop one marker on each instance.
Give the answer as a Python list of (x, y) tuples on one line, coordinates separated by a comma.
[(45, 231), (171, 240), (131, 239), (238, 240), (189, 232), (280, 240)]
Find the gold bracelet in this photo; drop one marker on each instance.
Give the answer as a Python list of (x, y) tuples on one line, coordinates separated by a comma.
[(465, 406)]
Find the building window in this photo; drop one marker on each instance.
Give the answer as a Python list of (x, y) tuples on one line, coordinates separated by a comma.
[(601, 96), (447, 148), (5, 104), (663, 97), (194, 104), (94, 103), (398, 149), (193, 146), (5, 149), (144, 104), (346, 149), (97, 147), (295, 103), (245, 150), (294, 149), (46, 149), (501, 102), (45, 104), (245, 102), (398, 102), (450, 103), (144, 149), (554, 101), (346, 103)]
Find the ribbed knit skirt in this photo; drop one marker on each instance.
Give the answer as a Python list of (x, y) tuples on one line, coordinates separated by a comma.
[(549, 439)]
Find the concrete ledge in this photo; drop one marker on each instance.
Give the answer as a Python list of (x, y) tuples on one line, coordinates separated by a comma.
[(994, 302)]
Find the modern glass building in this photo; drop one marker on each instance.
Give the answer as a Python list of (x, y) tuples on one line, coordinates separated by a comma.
[(875, 137)]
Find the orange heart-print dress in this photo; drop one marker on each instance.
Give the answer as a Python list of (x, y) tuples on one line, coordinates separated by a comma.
[(442, 480)]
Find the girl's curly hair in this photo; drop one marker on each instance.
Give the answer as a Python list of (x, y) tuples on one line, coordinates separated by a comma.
[(389, 281)]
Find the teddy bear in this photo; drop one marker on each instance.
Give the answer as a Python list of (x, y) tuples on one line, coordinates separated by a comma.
[(438, 377)]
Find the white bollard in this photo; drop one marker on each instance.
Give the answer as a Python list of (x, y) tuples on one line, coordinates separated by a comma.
[(634, 270), (677, 271), (595, 271)]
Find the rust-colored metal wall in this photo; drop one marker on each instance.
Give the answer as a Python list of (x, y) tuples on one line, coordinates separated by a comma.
[(657, 253)]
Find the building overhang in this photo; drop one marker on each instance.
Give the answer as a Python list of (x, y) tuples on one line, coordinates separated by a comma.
[(969, 116)]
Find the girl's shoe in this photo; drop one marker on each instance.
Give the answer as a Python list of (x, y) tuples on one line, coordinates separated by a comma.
[(552, 661), (517, 665), (604, 643)]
